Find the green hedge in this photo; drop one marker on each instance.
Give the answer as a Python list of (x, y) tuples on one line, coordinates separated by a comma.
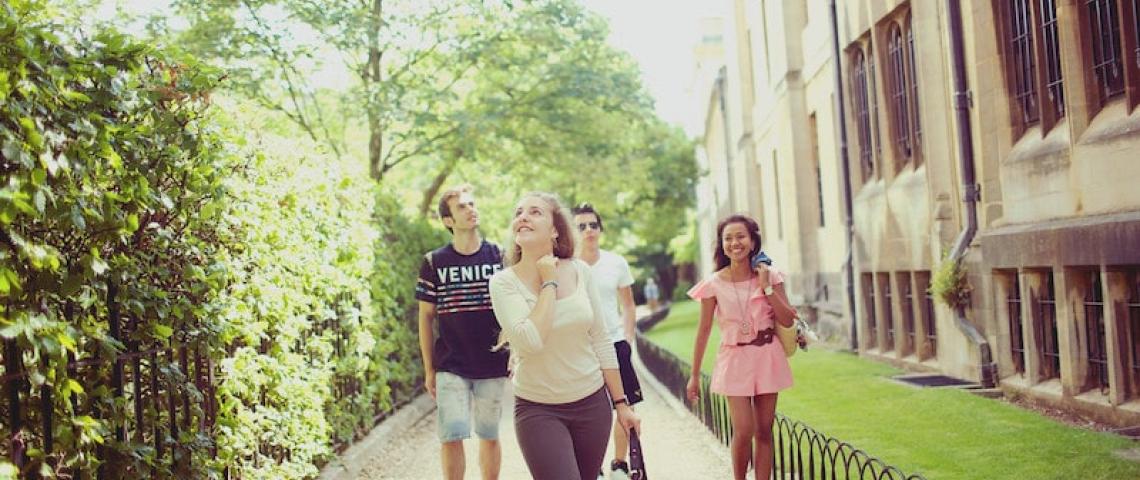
[(290, 273)]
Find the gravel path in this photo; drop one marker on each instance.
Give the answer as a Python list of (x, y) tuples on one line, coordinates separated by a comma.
[(676, 445)]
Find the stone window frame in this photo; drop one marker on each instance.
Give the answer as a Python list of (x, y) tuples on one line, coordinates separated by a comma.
[(896, 43), (869, 311), (1043, 335), (916, 119), (1121, 310), (884, 291), (1110, 74), (1124, 291), (906, 302), (863, 107), (1092, 325), (1012, 313), (1028, 39), (927, 324)]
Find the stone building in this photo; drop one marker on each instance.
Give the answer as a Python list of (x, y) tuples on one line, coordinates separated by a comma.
[(1046, 157)]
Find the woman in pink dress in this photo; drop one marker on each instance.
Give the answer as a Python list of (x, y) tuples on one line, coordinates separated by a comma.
[(751, 367)]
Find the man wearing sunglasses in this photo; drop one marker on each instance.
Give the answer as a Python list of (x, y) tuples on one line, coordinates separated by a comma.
[(612, 276)]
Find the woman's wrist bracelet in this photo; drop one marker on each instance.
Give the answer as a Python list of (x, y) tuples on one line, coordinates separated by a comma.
[(548, 283), (619, 401)]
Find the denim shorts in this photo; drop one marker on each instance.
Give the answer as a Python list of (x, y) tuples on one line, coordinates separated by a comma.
[(461, 402)]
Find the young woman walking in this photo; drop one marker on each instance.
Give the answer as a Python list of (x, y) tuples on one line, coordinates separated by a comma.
[(566, 377), (751, 367)]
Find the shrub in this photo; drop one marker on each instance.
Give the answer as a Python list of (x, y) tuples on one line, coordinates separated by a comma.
[(681, 290), (950, 284), (142, 224), (111, 170)]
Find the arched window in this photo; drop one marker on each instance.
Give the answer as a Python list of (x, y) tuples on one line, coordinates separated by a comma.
[(1110, 35), (1054, 84), (862, 113), (1104, 30), (873, 97), (898, 93), (1022, 68), (1136, 30), (1032, 61), (913, 77)]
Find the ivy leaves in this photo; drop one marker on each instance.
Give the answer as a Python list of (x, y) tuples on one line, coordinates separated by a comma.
[(106, 161)]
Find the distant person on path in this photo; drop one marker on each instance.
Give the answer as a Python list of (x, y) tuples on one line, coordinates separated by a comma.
[(613, 279), (461, 372), (651, 294), (551, 315), (751, 367)]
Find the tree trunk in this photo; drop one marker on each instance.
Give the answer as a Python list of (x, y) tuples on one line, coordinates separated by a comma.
[(372, 81), (437, 184)]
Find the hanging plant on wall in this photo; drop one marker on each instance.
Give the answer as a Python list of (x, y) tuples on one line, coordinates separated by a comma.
[(950, 285)]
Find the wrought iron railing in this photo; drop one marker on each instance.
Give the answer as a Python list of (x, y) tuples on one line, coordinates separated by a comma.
[(800, 452), (167, 390), (163, 392)]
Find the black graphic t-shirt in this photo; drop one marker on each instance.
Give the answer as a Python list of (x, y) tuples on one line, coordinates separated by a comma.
[(457, 285)]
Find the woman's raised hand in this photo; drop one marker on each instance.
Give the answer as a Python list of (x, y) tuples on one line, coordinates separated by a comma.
[(546, 267), (762, 275)]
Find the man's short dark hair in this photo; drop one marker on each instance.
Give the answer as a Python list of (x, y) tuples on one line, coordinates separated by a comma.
[(444, 207), (585, 207)]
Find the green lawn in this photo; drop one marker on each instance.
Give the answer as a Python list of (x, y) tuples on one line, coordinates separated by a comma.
[(940, 433)]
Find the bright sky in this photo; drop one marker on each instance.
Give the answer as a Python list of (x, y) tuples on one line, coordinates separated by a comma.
[(661, 35)]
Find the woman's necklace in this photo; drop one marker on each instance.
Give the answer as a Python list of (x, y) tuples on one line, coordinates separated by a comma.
[(746, 321)]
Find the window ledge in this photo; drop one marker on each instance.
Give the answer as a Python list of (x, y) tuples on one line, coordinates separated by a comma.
[(871, 188), (910, 174), (1032, 146), (1111, 122), (1049, 388), (1016, 380), (1094, 398), (1132, 406)]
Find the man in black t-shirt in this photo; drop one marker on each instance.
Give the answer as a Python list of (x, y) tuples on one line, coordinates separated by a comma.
[(462, 373)]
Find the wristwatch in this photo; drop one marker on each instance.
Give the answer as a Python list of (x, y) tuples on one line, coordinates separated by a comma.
[(549, 283), (769, 290)]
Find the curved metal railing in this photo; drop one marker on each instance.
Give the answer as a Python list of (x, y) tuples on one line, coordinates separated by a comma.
[(800, 451)]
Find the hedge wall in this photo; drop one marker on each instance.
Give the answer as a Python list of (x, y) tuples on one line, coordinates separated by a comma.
[(183, 294)]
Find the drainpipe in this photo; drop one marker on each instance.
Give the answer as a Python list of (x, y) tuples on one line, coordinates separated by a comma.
[(971, 193), (840, 108), (722, 84)]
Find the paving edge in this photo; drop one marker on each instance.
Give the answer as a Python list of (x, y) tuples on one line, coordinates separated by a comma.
[(347, 465), (645, 377)]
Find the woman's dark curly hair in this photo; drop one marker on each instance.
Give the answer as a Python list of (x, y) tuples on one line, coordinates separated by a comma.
[(753, 228)]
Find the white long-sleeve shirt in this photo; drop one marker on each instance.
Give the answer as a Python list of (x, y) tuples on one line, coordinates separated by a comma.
[(565, 365)]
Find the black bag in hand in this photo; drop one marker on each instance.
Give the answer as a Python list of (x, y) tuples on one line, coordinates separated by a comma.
[(636, 460)]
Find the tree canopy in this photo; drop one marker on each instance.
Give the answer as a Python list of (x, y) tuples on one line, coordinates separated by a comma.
[(511, 96)]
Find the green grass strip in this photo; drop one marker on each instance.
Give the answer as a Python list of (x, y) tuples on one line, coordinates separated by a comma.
[(940, 433)]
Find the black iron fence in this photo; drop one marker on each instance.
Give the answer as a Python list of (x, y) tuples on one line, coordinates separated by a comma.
[(647, 322), (160, 392), (800, 452), (158, 400)]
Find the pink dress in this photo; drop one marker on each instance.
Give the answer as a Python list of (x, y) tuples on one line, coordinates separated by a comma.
[(744, 370)]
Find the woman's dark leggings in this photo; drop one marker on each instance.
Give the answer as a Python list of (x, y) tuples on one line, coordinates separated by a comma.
[(565, 441)]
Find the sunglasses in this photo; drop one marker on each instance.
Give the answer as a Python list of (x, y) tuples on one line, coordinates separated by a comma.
[(594, 225)]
